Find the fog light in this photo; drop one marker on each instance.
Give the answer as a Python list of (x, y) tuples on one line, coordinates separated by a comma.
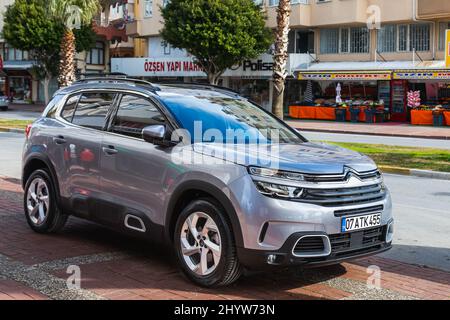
[(271, 259)]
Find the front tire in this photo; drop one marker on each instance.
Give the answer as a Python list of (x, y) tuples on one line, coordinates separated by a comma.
[(205, 245), (41, 209)]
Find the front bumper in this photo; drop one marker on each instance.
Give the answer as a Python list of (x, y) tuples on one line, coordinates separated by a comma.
[(354, 248)]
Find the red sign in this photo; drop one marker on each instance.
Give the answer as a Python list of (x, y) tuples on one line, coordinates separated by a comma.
[(171, 66), (1, 62)]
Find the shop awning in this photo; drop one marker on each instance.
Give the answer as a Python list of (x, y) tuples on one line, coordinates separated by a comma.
[(366, 71), (17, 65)]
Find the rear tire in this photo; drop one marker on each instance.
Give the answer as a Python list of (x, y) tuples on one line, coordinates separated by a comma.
[(40, 206), (209, 257)]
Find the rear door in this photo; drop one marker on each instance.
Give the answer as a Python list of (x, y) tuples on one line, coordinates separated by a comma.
[(78, 148), (134, 172)]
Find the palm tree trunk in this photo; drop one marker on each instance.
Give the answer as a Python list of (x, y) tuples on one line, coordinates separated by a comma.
[(280, 56), (67, 62)]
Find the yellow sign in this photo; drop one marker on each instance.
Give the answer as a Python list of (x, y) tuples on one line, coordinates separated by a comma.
[(422, 75), (342, 76), (447, 50)]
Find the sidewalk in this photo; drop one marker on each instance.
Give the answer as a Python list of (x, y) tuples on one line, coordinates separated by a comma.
[(386, 129), (113, 266), (26, 107)]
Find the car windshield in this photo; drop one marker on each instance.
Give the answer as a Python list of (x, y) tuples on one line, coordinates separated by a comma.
[(215, 117)]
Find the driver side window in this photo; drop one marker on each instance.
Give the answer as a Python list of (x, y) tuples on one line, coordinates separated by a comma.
[(134, 114)]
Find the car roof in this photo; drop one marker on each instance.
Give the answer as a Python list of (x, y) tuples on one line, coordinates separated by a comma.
[(147, 88)]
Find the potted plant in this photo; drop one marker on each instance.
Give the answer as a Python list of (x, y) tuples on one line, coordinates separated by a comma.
[(341, 112)]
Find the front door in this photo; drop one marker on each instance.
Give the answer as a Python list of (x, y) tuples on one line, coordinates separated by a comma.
[(134, 172)]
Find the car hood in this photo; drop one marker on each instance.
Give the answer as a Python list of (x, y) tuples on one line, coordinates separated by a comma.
[(314, 158)]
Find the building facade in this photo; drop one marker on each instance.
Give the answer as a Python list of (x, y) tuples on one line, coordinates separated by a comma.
[(376, 50), (17, 80)]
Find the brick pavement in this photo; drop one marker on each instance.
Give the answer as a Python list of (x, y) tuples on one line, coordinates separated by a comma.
[(114, 266)]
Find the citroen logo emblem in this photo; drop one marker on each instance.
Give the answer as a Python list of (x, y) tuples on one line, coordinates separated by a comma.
[(349, 174)]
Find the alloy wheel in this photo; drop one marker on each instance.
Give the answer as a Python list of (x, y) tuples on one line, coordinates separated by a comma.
[(200, 243), (38, 201)]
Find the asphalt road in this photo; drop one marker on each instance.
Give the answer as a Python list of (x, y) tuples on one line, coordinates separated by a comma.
[(421, 210), (19, 115)]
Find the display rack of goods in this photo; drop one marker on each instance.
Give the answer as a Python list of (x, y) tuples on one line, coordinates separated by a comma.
[(438, 116)]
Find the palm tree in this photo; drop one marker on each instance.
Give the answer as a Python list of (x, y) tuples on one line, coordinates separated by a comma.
[(71, 13), (280, 56)]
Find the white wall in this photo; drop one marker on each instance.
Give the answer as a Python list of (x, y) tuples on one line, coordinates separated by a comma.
[(156, 49)]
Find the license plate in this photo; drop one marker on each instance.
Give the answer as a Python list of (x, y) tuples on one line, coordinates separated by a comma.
[(360, 222)]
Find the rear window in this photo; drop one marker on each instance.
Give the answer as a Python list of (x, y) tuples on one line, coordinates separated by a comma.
[(69, 107), (52, 106)]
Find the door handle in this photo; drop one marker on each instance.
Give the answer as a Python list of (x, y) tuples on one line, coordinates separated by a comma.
[(59, 140), (110, 150)]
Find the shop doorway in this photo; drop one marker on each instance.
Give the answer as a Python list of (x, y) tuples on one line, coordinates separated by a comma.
[(399, 111), (19, 88)]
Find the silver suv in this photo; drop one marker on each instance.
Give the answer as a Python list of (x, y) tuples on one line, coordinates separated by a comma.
[(225, 183)]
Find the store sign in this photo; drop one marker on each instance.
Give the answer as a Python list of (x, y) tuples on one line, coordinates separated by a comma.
[(422, 75), (258, 68), (157, 67), (447, 51), (344, 76), (186, 67)]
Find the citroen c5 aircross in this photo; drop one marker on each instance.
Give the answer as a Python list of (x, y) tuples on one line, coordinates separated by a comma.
[(223, 182)]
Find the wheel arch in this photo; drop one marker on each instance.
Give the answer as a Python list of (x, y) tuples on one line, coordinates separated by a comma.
[(191, 190), (38, 161)]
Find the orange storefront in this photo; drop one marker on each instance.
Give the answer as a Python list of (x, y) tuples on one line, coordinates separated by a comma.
[(359, 86), (387, 90)]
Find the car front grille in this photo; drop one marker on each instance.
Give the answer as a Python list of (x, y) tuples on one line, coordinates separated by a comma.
[(363, 176), (350, 212), (344, 196)]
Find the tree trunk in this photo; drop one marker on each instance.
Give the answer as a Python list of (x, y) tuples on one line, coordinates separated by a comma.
[(46, 86), (280, 56), (67, 62), (213, 78)]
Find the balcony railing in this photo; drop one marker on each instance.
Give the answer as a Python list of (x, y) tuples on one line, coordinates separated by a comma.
[(111, 32)]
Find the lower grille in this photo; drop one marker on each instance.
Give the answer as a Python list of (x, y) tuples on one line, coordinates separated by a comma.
[(315, 249), (308, 245), (344, 242)]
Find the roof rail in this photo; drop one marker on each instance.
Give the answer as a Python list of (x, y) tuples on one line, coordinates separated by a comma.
[(117, 78), (199, 85), (102, 74)]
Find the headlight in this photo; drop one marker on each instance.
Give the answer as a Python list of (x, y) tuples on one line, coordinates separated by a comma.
[(272, 173), (278, 190)]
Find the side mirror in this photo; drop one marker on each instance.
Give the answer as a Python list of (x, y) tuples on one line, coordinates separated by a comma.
[(154, 134)]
